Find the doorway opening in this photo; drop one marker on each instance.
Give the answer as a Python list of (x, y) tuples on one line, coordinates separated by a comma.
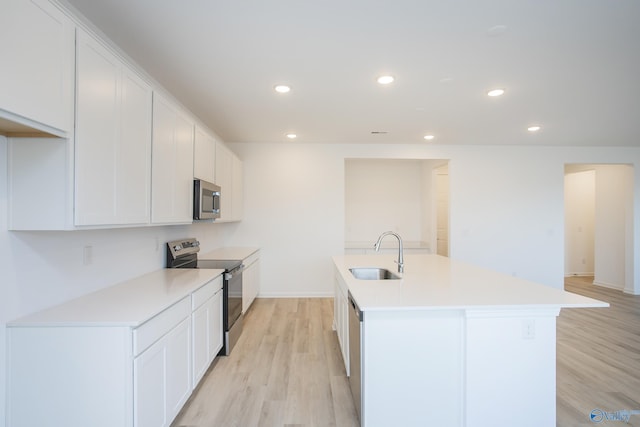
[(407, 196), (599, 224)]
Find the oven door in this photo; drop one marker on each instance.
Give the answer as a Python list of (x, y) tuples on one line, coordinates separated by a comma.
[(234, 296)]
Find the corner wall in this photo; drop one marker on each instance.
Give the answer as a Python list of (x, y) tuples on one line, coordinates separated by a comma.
[(613, 190)]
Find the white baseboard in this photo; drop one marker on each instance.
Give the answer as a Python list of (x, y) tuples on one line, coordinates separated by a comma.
[(608, 285), (579, 274)]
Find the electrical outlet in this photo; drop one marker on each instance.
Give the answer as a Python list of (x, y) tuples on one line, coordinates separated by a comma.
[(528, 329), (87, 255)]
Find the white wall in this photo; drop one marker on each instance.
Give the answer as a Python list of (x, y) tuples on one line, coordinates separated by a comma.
[(41, 269), (580, 208), (383, 195), (612, 191), (294, 211), (506, 207), (429, 195)]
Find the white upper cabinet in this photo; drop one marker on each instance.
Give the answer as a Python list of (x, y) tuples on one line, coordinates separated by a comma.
[(113, 139), (229, 178), (172, 164), (36, 76), (204, 160), (237, 200)]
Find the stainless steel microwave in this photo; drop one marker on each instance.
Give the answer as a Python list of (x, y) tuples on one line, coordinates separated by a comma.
[(206, 200)]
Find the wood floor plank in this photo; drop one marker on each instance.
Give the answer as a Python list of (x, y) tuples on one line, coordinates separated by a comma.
[(287, 370), (598, 357)]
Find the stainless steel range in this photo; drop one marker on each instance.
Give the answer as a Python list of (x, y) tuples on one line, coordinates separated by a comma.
[(184, 254)]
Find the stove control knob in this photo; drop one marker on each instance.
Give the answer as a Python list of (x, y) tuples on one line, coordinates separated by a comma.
[(177, 248)]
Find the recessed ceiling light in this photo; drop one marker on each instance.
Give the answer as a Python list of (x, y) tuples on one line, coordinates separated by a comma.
[(497, 30), (292, 136), (535, 128), (495, 92), (282, 88), (429, 137), (385, 80)]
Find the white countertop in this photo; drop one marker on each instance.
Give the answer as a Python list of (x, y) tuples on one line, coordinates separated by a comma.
[(230, 253), (433, 282), (129, 303)]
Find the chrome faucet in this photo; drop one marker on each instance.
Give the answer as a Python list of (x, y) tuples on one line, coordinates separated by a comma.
[(400, 261)]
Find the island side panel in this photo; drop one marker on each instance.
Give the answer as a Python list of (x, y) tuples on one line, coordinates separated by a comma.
[(511, 368), (69, 376), (413, 368)]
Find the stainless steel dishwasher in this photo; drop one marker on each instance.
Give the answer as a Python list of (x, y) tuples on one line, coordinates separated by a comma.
[(355, 354)]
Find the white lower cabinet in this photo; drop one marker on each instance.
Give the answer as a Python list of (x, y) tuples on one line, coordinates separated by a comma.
[(207, 333), (77, 375), (341, 319), (162, 378), (250, 280)]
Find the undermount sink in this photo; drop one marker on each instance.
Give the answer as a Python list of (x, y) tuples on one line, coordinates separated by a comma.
[(372, 273)]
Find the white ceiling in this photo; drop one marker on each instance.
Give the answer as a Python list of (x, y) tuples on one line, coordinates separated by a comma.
[(572, 66)]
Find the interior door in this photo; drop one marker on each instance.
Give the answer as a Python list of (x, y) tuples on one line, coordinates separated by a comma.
[(442, 210)]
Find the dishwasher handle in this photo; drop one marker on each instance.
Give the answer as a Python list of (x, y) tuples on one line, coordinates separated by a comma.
[(355, 308)]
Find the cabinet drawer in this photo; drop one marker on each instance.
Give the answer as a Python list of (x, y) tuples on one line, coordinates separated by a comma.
[(200, 296), (251, 259), (152, 330)]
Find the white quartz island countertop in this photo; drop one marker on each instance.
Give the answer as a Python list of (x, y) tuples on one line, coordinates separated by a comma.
[(432, 282), (449, 344), (129, 303)]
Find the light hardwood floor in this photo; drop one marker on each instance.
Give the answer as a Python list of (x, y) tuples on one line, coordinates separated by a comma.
[(286, 369), (598, 357)]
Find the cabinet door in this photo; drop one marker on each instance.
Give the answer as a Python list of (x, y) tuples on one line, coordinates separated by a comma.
[(178, 370), (200, 325), (250, 284), (238, 189), (229, 177), (172, 164), (224, 177), (162, 378), (204, 156), (36, 77), (133, 168), (96, 131), (113, 139), (216, 333), (207, 335), (149, 386), (341, 318)]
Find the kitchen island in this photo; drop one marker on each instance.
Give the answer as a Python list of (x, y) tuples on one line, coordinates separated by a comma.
[(451, 344)]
